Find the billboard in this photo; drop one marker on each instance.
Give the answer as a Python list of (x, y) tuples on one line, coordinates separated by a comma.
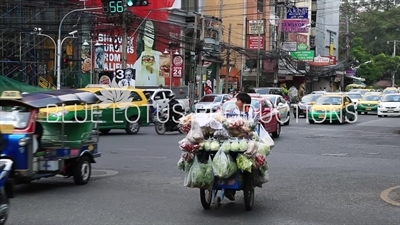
[(297, 13), (145, 47), (253, 42), (295, 25)]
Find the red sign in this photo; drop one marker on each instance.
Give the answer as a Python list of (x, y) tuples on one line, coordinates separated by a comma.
[(299, 38), (177, 66), (253, 42), (332, 60), (145, 46)]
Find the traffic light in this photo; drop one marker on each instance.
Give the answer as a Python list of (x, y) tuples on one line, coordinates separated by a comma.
[(113, 6), (131, 3)]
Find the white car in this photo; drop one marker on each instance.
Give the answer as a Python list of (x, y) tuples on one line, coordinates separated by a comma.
[(282, 105), (389, 105), (354, 96)]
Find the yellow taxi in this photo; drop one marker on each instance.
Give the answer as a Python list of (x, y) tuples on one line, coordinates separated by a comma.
[(369, 103), (332, 107), (391, 90)]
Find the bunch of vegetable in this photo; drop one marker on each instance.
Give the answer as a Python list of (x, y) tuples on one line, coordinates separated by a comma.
[(221, 134), (185, 128), (210, 145), (184, 165), (200, 175), (223, 165), (187, 146), (259, 160), (220, 117), (243, 163), (239, 127), (263, 149)]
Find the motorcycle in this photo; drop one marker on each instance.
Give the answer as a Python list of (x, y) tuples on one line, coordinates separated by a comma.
[(163, 124), (5, 192)]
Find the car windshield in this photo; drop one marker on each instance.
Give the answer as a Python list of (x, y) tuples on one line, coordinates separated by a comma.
[(354, 96), (389, 92), (355, 90), (231, 105), (372, 98), (211, 98), (391, 98), (148, 92), (16, 116), (329, 100), (272, 99), (310, 98)]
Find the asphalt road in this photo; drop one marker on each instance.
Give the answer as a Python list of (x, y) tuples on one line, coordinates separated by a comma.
[(319, 174)]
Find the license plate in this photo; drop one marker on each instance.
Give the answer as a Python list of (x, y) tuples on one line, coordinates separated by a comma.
[(368, 109), (390, 110), (201, 110), (321, 116)]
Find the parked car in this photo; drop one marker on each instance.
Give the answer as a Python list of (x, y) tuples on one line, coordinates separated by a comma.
[(304, 105), (389, 105), (269, 115), (210, 103), (160, 98)]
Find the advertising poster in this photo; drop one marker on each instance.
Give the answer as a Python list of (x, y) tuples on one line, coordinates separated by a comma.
[(145, 47), (295, 25)]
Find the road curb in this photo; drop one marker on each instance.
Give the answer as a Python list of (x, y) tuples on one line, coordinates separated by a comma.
[(385, 196)]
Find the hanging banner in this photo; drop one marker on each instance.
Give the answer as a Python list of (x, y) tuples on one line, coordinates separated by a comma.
[(297, 13), (177, 66), (295, 25), (99, 58), (145, 47)]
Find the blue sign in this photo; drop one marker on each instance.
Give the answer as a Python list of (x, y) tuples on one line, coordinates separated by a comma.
[(297, 13)]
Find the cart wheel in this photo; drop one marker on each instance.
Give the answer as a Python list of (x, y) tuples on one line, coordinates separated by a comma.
[(205, 198), (82, 171), (248, 191), (4, 208)]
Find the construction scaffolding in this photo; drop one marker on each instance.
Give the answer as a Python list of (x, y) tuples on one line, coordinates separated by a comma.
[(25, 56)]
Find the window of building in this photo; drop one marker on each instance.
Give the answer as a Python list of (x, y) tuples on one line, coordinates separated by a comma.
[(260, 5)]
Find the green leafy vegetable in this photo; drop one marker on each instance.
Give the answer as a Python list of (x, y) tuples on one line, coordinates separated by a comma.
[(243, 163)]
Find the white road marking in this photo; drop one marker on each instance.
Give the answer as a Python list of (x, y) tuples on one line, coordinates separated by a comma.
[(339, 154)]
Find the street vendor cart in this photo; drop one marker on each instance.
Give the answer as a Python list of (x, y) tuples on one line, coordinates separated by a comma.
[(230, 156)]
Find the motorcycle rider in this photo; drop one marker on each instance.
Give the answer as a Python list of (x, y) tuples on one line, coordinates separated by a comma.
[(151, 106), (175, 109)]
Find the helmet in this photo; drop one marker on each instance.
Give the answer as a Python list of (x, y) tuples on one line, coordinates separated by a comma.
[(148, 95), (171, 96)]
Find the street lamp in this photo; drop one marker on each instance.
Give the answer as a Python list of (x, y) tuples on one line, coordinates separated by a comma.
[(38, 31), (59, 42), (86, 44), (169, 52)]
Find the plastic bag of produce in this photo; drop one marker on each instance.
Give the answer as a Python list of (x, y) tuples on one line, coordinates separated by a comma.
[(243, 163), (195, 134), (252, 149), (259, 160), (263, 149), (184, 165), (221, 134), (187, 146), (200, 175), (223, 165), (214, 145), (261, 177), (266, 138)]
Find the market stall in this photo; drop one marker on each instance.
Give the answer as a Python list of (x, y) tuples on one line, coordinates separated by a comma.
[(224, 153)]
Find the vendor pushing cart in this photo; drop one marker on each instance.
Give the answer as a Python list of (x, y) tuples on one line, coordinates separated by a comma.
[(223, 154)]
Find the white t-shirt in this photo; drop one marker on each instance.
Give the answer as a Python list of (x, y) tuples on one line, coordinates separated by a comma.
[(250, 114)]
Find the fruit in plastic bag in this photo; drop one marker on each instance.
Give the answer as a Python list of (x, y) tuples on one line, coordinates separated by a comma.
[(200, 175), (223, 165), (214, 146), (252, 149), (235, 147), (221, 134), (226, 146), (263, 149), (187, 146), (243, 163), (259, 160), (195, 135), (243, 146)]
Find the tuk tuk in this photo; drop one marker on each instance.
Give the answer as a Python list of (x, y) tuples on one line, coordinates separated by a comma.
[(62, 148)]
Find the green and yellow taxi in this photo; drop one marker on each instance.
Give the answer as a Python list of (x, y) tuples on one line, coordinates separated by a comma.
[(121, 108), (369, 103), (332, 107)]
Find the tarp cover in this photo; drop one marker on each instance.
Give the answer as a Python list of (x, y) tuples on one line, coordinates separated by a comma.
[(8, 84)]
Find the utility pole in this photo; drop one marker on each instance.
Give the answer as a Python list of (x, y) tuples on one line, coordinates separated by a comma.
[(258, 51), (347, 51), (193, 64), (124, 36), (228, 55), (395, 42)]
